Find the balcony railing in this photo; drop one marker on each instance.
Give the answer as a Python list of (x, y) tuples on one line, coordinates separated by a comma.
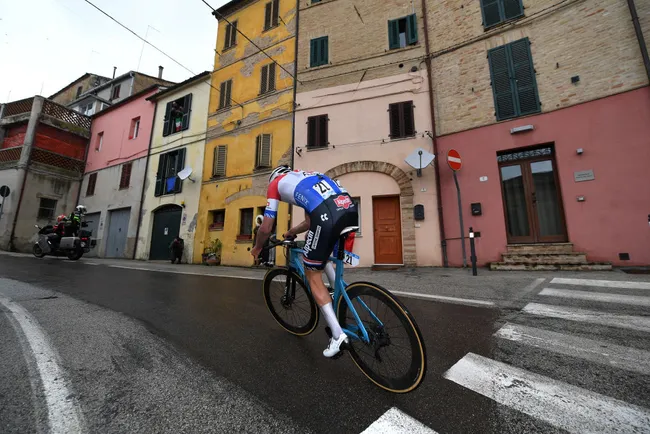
[(10, 155), (55, 160), (51, 109), (18, 107)]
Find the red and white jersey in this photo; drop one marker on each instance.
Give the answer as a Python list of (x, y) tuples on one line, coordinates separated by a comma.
[(304, 189)]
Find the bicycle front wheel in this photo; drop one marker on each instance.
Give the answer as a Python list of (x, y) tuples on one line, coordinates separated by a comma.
[(289, 301), (395, 357)]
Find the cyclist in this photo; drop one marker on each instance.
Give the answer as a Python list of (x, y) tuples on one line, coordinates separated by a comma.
[(328, 210)]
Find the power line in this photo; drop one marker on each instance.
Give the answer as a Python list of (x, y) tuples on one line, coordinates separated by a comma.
[(215, 12), (156, 48)]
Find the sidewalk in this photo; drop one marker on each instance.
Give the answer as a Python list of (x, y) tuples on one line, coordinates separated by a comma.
[(504, 289)]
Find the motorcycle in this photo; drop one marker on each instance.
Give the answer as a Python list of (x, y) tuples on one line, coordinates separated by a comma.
[(73, 246)]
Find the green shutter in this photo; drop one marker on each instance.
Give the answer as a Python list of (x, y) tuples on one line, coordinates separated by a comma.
[(313, 48), (512, 9), (187, 110), (318, 52), (167, 122), (324, 47), (491, 10), (502, 86), (180, 164), (160, 175), (393, 34), (523, 72), (411, 30)]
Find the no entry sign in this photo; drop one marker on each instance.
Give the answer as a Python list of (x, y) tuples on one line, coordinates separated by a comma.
[(453, 159)]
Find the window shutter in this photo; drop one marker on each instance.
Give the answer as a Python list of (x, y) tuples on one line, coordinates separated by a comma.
[(312, 124), (409, 121), (125, 178), (324, 46), (524, 77), (501, 84), (226, 41), (322, 130), (187, 110), (491, 12), (393, 34), (267, 16), (264, 81), (393, 115), (167, 122), (180, 164), (219, 163), (411, 29), (265, 154), (276, 12), (258, 141), (313, 53), (160, 175), (92, 181), (271, 77), (233, 33), (222, 95), (228, 93), (512, 9)]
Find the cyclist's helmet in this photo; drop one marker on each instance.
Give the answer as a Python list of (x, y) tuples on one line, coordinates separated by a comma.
[(279, 171)]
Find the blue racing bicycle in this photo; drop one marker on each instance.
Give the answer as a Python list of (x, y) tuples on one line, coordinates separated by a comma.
[(384, 339)]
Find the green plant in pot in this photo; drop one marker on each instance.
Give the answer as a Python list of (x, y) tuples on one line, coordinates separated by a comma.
[(212, 254)]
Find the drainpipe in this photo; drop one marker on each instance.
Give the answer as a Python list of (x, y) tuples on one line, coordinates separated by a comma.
[(25, 158), (443, 241), (295, 90), (639, 36), (144, 182)]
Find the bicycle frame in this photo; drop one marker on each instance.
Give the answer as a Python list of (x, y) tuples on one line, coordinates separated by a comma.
[(296, 264)]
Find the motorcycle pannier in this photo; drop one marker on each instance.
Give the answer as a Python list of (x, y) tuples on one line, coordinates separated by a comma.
[(69, 242)]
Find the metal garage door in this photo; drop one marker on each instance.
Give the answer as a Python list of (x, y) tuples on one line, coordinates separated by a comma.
[(118, 227)]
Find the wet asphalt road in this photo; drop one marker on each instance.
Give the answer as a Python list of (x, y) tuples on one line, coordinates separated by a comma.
[(223, 326)]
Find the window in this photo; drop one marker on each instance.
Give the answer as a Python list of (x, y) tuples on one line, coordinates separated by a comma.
[(125, 177), (177, 115), (513, 80), (357, 204), (169, 165), (498, 11), (225, 94), (88, 109), (79, 89), (268, 79), (99, 141), (318, 52), (217, 218), (245, 224), (46, 209), (401, 120), (231, 36), (92, 181), (271, 14), (219, 161), (317, 131), (263, 151), (135, 128), (402, 32), (116, 92)]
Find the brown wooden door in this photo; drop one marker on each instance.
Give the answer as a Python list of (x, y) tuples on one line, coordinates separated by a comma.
[(532, 203), (387, 226)]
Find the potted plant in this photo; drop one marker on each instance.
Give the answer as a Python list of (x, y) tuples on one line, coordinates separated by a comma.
[(212, 254)]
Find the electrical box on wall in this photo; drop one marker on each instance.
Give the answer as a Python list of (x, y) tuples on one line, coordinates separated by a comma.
[(418, 212), (476, 208)]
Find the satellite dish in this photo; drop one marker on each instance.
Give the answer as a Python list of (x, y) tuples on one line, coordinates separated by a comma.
[(419, 159), (185, 174)]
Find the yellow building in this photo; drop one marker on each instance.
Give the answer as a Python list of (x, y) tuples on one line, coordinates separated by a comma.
[(249, 123)]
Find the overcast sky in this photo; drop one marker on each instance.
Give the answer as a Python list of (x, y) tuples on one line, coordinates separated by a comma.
[(46, 44)]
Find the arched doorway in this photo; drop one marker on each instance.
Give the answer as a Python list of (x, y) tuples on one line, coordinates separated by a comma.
[(166, 226)]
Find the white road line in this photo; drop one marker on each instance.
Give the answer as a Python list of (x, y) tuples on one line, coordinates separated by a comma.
[(632, 322), (602, 283), (560, 404), (601, 352), (634, 300), (63, 414), (468, 301), (395, 421), (193, 273)]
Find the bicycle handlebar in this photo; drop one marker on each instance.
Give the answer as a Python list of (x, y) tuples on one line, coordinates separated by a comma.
[(274, 242)]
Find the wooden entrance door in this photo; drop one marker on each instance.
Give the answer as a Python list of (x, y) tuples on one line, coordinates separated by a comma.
[(387, 224), (531, 197)]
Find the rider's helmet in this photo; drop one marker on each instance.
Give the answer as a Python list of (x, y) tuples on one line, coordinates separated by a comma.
[(80, 209), (61, 218), (279, 171)]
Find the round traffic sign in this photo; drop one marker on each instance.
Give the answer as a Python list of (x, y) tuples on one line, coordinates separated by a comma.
[(453, 159), (4, 191)]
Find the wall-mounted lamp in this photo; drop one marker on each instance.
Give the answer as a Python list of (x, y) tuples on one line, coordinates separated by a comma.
[(522, 129), (579, 151)]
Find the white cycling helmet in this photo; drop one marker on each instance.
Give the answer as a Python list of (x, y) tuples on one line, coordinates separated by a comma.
[(279, 171)]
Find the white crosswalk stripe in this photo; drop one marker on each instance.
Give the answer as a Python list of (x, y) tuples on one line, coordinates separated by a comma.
[(554, 400), (395, 421)]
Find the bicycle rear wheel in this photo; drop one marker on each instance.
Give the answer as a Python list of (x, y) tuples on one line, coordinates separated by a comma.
[(395, 358), (289, 301)]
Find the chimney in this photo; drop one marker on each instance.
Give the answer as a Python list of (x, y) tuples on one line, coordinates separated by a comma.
[(160, 70), (114, 69)]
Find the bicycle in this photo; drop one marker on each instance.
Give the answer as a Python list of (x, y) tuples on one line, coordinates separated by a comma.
[(370, 338)]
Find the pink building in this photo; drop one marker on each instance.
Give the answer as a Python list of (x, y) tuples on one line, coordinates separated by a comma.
[(115, 172)]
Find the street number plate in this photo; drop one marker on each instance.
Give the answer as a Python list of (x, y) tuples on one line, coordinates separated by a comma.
[(351, 259)]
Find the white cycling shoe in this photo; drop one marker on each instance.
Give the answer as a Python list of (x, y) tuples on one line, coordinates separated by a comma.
[(334, 347)]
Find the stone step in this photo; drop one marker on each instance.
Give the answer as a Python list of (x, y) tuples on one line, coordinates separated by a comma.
[(541, 248), (544, 258), (591, 266)]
